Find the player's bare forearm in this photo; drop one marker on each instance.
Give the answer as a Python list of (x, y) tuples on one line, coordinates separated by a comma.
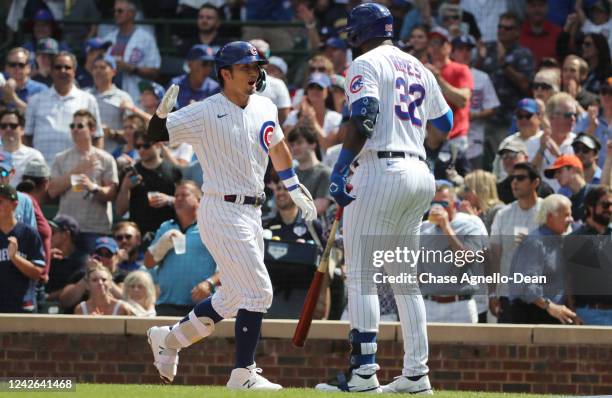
[(281, 156)]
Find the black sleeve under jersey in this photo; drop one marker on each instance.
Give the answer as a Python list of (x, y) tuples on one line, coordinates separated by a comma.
[(157, 130)]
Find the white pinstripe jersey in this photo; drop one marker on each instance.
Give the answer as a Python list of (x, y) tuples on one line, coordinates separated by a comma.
[(231, 143), (408, 96)]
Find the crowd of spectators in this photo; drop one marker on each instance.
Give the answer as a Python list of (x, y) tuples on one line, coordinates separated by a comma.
[(524, 175)]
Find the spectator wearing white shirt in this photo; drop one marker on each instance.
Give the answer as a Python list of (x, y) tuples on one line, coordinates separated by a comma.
[(557, 138), (134, 49), (12, 123), (599, 20), (486, 13), (50, 112)]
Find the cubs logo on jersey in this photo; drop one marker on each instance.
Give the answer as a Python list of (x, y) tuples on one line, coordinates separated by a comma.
[(265, 135), (356, 84)]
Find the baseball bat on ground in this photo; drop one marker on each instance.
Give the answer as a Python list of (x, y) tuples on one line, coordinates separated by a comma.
[(301, 331)]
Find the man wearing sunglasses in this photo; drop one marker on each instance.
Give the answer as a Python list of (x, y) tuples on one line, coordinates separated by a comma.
[(19, 87), (586, 148), (85, 180), (50, 112), (12, 123), (510, 225), (128, 237), (557, 138)]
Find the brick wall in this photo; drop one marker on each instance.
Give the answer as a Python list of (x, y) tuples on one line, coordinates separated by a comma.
[(563, 368)]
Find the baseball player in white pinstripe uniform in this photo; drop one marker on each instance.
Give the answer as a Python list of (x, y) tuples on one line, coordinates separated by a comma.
[(392, 97), (232, 133)]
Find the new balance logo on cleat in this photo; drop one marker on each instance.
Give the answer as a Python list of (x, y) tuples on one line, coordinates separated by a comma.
[(249, 384)]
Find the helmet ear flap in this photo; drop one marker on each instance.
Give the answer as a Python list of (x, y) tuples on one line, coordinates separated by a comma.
[(260, 85)]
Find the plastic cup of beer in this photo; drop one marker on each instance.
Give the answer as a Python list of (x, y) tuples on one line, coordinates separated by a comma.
[(180, 244), (151, 196), (75, 181)]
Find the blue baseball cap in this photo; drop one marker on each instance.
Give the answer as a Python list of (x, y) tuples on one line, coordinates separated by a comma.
[(320, 79), (463, 41), (528, 104), (43, 15), (200, 52), (6, 160), (65, 223), (157, 89), (97, 43), (47, 46), (336, 42), (106, 242)]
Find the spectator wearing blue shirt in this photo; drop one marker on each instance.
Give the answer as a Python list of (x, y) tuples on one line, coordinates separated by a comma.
[(21, 257), (184, 278), (19, 87), (540, 255), (280, 38), (128, 237), (43, 26), (197, 84), (94, 48)]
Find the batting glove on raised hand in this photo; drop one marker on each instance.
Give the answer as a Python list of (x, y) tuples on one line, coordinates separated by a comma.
[(303, 200), (167, 103), (337, 189)]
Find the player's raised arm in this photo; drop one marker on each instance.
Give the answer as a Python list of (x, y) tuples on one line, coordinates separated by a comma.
[(157, 130)]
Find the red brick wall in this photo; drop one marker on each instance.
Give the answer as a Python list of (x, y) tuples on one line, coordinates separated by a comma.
[(127, 359)]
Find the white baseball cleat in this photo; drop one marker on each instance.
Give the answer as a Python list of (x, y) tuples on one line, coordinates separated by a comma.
[(404, 385), (165, 359), (250, 379), (357, 383)]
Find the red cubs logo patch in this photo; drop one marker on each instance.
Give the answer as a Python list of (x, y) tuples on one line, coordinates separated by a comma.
[(265, 135), (356, 84)]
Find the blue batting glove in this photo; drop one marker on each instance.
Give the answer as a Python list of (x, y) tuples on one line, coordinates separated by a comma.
[(337, 189)]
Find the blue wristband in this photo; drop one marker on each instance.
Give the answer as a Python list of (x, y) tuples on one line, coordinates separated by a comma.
[(286, 174), (344, 161), (290, 180)]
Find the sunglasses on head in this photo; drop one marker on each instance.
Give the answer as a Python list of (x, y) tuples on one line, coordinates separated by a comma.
[(518, 177), (62, 67), (119, 237), (103, 253), (146, 145), (4, 173), (525, 116), (541, 86), (5, 126), (77, 126), (20, 65)]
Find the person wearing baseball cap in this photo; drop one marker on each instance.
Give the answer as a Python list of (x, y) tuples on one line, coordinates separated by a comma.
[(66, 258), (456, 83), (25, 208), (335, 49), (586, 148), (22, 258), (196, 84), (569, 173), (277, 67), (546, 83), (151, 94), (44, 51), (94, 48)]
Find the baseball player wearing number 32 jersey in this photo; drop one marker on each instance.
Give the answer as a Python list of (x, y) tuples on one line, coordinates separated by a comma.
[(233, 133), (392, 96)]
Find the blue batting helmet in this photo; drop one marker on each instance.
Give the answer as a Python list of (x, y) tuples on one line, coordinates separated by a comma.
[(367, 21), (238, 52)]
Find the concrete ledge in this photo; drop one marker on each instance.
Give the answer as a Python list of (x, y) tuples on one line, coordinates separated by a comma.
[(332, 330), (549, 334)]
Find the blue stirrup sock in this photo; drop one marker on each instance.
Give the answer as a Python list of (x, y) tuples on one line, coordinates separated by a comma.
[(363, 348), (247, 331)]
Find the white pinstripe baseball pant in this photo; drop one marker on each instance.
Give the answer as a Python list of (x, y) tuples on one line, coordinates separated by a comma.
[(392, 196)]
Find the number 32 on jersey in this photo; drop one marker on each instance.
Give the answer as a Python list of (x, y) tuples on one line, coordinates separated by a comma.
[(410, 97)]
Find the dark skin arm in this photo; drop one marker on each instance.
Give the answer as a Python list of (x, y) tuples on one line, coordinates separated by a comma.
[(353, 140)]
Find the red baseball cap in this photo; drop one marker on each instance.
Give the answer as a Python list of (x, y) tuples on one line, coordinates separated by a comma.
[(562, 161)]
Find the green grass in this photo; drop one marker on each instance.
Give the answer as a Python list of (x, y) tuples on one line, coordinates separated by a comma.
[(159, 391)]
